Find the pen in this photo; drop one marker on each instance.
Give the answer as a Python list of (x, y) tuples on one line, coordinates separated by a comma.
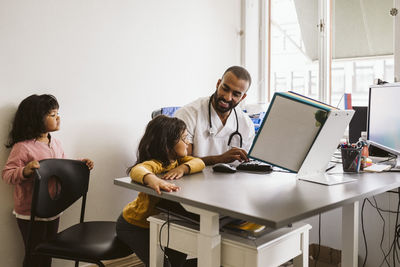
[(330, 168)]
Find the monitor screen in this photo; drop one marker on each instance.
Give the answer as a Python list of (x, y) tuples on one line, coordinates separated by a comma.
[(358, 123), (384, 117), (288, 131)]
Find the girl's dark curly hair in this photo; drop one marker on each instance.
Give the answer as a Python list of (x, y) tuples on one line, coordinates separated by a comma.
[(29, 119), (161, 135)]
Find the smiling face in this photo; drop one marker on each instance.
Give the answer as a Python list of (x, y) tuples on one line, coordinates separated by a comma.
[(230, 91)]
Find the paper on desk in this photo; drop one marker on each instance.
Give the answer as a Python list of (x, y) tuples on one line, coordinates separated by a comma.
[(377, 168)]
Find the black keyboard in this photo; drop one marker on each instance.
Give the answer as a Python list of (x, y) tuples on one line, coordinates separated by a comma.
[(254, 165)]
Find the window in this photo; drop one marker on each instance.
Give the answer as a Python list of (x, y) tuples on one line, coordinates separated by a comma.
[(292, 67), (362, 43), (359, 47)]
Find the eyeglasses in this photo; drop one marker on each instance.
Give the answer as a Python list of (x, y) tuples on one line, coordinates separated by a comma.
[(184, 139)]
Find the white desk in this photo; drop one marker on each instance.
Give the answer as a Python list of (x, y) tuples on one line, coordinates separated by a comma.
[(277, 199)]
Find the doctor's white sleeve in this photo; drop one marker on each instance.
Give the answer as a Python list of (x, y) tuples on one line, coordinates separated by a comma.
[(248, 140), (188, 115)]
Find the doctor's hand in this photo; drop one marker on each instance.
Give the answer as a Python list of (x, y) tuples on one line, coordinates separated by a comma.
[(233, 154)]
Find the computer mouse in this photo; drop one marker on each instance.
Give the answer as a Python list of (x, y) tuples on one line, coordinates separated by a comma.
[(224, 167)]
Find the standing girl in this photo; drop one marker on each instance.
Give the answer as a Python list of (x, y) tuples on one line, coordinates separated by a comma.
[(163, 148), (30, 141)]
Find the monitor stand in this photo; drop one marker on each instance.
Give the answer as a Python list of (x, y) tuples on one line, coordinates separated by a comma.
[(327, 178), (397, 167), (314, 165)]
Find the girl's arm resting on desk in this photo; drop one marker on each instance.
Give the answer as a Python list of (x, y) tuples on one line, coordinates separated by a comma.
[(177, 172), (187, 165), (159, 184), (194, 164), (139, 171)]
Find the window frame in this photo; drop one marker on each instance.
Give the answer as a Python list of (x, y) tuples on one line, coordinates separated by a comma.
[(263, 90)]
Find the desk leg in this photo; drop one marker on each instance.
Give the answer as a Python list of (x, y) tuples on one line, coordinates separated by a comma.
[(302, 259), (208, 239), (350, 219), (156, 254)]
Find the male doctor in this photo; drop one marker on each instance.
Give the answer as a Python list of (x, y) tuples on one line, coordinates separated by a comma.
[(218, 130)]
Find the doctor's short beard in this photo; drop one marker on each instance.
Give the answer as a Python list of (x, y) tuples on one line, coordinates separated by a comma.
[(220, 109)]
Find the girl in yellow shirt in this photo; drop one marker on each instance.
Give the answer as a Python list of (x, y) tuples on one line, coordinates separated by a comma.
[(162, 149)]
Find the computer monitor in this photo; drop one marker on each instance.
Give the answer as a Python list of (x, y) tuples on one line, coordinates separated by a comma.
[(384, 117), (358, 123), (300, 135)]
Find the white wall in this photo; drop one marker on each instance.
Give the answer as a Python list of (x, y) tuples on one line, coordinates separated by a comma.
[(109, 63)]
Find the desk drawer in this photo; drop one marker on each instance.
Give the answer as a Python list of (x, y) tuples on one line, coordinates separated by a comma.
[(235, 254), (181, 238)]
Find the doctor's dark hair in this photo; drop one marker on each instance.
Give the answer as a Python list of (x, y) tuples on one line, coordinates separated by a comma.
[(29, 119), (161, 135), (240, 72)]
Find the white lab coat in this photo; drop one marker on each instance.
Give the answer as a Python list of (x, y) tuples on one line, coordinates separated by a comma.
[(196, 117)]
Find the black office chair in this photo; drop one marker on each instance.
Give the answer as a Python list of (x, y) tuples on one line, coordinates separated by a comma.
[(86, 241)]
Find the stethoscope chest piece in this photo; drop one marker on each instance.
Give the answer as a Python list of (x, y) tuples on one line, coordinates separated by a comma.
[(211, 131)]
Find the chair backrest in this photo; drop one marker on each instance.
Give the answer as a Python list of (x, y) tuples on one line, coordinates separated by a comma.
[(58, 184), (168, 111)]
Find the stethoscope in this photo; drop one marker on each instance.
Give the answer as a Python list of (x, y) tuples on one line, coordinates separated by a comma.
[(212, 131)]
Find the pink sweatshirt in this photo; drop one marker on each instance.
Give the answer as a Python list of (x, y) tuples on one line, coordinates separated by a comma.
[(21, 154)]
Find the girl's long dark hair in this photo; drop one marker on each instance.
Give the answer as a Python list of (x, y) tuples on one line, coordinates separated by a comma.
[(29, 119), (161, 135)]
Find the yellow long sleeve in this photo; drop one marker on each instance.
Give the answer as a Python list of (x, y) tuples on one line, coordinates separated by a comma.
[(153, 166), (144, 205)]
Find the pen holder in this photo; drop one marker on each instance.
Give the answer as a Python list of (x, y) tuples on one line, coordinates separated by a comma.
[(351, 159)]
